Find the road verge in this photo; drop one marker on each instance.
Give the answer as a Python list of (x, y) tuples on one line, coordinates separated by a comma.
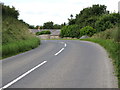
[(113, 51)]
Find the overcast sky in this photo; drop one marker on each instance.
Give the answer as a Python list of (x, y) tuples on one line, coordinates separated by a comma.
[(37, 12)]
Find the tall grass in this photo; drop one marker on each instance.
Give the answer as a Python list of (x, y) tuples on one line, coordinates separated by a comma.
[(19, 46), (16, 37)]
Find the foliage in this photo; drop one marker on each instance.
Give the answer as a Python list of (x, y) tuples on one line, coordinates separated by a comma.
[(19, 46), (9, 12), (89, 31), (89, 16), (43, 32), (56, 26), (16, 37), (117, 36), (14, 31), (71, 21), (107, 21), (48, 25), (31, 27), (108, 34), (51, 25), (70, 31)]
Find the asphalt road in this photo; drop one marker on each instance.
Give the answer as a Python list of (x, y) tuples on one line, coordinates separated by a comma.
[(60, 64)]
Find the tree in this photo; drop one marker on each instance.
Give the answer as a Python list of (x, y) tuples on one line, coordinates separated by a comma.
[(48, 25), (88, 16), (107, 21), (71, 21), (9, 12), (56, 26), (71, 16), (31, 27)]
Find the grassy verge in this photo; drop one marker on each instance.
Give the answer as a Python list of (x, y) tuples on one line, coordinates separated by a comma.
[(20, 46), (112, 48)]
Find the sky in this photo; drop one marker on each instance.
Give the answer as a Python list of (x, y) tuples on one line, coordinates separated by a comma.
[(37, 12)]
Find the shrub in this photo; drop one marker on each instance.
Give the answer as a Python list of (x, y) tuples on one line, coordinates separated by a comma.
[(107, 21), (88, 30), (70, 31), (112, 33), (43, 32)]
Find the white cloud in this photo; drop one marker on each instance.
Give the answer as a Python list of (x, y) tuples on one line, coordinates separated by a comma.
[(37, 12)]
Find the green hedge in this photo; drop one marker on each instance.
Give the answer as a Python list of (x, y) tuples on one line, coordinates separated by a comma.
[(43, 32), (70, 31), (88, 30), (16, 47)]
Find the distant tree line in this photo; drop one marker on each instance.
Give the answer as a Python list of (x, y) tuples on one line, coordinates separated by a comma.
[(8, 11), (48, 25)]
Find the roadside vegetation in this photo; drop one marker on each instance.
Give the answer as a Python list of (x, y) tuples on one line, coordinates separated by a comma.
[(101, 26), (15, 35), (110, 41), (70, 31), (43, 32), (89, 21)]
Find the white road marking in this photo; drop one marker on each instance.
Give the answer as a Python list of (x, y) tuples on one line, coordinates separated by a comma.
[(23, 75), (59, 52), (61, 49), (65, 44)]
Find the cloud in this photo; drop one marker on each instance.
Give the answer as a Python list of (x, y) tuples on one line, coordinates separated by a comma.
[(37, 12)]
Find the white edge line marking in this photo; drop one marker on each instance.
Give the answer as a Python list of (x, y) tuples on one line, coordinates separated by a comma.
[(23, 75), (59, 52)]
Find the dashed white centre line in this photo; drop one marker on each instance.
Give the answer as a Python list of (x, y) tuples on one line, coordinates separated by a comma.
[(59, 52), (23, 75), (61, 49), (65, 44)]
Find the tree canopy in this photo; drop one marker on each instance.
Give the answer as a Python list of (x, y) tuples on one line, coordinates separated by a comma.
[(11, 12)]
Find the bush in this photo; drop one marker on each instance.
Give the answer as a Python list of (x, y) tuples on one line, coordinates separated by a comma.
[(88, 30), (70, 31), (43, 32), (112, 33), (107, 21)]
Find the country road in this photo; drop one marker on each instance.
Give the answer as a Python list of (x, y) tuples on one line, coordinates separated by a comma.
[(60, 64)]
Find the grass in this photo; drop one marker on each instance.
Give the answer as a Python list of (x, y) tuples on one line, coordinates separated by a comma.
[(112, 48), (20, 46), (16, 37)]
